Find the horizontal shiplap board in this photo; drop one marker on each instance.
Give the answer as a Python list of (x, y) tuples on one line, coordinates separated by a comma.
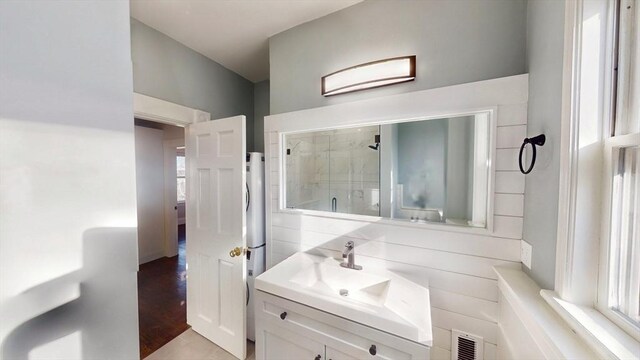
[(466, 305), (507, 159), (459, 263), (438, 353), (510, 136), (277, 257), (463, 243), (508, 204), (458, 283), (511, 182), (512, 114), (451, 320), (463, 264), (286, 248), (441, 338), (508, 226)]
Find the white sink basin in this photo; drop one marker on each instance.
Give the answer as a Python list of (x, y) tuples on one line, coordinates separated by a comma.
[(372, 296)]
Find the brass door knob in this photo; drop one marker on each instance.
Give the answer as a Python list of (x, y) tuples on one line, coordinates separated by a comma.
[(237, 251)]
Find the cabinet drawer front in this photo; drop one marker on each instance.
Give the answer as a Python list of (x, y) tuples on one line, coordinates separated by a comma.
[(333, 354), (281, 344), (344, 336)]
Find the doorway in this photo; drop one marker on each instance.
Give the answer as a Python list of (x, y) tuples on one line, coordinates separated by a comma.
[(161, 184), (216, 147)]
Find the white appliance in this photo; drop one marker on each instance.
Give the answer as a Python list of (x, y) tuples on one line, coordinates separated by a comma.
[(255, 232)]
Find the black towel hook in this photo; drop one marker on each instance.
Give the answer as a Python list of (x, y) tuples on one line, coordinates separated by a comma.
[(536, 140)]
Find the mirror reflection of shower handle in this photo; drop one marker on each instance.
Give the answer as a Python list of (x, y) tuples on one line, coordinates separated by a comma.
[(334, 204), (376, 139)]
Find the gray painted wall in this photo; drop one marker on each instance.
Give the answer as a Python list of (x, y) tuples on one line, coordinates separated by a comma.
[(68, 245), (460, 165), (436, 163), (150, 192), (166, 69), (260, 110), (545, 31), (455, 42), (422, 163)]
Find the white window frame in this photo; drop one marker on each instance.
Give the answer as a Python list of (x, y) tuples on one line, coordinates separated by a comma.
[(576, 252), (612, 147), (180, 177), (583, 221)]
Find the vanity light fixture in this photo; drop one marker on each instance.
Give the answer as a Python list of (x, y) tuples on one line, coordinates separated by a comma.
[(370, 75)]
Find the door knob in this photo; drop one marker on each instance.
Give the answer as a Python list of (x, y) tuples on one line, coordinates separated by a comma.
[(237, 251)]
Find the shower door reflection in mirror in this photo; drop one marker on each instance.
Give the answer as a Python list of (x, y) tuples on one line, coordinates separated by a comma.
[(433, 170), (334, 170)]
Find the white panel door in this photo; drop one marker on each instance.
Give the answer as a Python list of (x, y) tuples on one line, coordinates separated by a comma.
[(216, 175)]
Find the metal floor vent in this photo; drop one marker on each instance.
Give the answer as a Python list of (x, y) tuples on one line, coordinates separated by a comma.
[(465, 346)]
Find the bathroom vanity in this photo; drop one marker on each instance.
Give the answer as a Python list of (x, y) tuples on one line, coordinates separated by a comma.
[(309, 307), (424, 184)]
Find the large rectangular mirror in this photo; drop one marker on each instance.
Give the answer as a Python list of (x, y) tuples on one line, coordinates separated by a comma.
[(428, 170)]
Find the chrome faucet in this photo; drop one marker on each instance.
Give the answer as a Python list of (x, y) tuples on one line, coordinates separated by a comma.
[(349, 253)]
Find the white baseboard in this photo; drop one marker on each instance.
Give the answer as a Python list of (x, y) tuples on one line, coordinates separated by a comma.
[(153, 256)]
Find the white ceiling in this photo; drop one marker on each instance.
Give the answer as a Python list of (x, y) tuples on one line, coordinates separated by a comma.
[(233, 33)]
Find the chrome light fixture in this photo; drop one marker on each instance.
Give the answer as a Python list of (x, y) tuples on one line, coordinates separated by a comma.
[(370, 75)]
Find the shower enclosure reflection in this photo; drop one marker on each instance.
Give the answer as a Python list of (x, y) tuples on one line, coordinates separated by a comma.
[(334, 170), (428, 170)]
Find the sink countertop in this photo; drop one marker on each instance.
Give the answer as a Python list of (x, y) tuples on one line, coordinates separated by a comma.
[(376, 297)]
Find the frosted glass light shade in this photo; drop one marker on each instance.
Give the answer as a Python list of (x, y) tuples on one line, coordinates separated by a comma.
[(370, 75)]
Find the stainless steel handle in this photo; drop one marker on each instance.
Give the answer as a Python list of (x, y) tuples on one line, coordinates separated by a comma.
[(334, 204)]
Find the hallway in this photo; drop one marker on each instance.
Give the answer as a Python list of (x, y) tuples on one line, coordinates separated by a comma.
[(162, 299)]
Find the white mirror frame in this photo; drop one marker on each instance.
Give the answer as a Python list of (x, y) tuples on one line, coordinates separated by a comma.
[(481, 207), (451, 101)]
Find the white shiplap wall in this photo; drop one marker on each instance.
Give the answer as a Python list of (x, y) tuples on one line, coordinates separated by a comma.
[(457, 266)]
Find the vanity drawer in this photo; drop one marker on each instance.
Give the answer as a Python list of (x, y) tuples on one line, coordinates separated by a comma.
[(343, 338)]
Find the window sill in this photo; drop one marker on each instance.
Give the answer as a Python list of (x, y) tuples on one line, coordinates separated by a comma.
[(602, 334), (553, 336)]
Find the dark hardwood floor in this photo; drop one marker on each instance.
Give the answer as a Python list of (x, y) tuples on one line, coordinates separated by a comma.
[(162, 302)]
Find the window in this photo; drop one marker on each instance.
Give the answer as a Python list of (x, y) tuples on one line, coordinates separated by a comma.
[(619, 288), (598, 244), (180, 174), (624, 252)]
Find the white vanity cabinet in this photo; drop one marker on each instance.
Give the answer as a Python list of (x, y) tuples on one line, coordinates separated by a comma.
[(289, 330)]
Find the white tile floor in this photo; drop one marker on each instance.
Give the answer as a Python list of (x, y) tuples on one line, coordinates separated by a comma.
[(192, 346)]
